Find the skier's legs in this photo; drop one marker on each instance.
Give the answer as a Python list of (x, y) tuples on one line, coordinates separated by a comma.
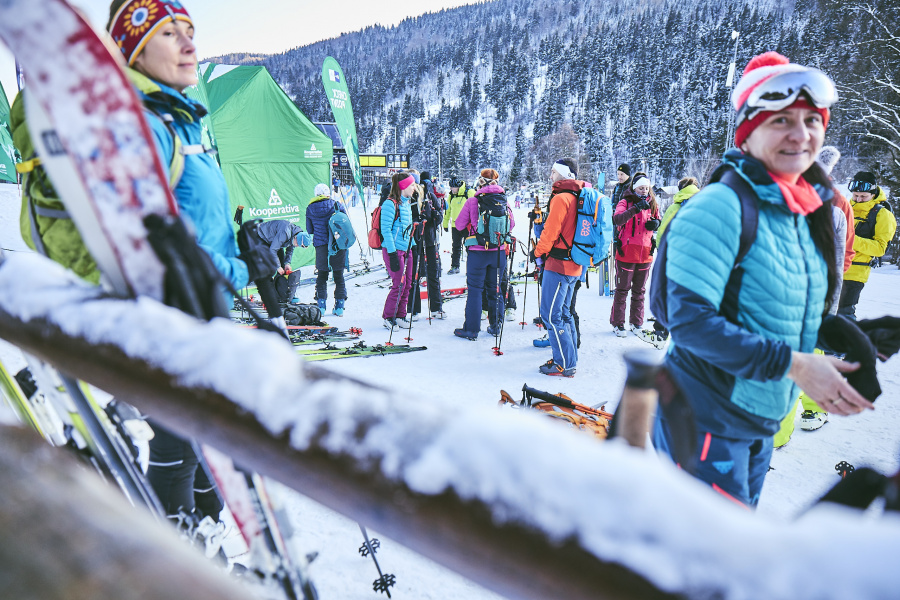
[(414, 305), (638, 287), (476, 268), (458, 237), (406, 265), (397, 282), (850, 291), (575, 314), (556, 294), (322, 272), (337, 272), (206, 496), (293, 284), (173, 465), (495, 303), (624, 275), (433, 269)]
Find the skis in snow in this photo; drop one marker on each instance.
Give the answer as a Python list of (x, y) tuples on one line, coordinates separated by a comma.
[(358, 349)]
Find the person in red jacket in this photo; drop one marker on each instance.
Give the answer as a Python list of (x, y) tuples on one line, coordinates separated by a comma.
[(636, 217)]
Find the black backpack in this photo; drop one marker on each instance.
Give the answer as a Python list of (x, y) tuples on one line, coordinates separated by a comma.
[(302, 314), (492, 229), (749, 224)]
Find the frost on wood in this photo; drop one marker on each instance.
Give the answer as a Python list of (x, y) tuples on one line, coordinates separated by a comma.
[(621, 505)]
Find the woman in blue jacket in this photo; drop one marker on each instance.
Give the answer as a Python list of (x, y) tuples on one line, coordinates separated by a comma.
[(396, 249), (741, 374), (156, 39)]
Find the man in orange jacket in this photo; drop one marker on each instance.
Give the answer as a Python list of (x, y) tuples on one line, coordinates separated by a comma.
[(561, 273)]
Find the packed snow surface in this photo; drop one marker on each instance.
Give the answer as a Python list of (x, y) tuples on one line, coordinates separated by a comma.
[(439, 428)]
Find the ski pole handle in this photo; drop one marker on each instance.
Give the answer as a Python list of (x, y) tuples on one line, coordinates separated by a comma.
[(639, 398)]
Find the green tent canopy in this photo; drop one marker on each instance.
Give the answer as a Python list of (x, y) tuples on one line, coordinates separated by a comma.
[(271, 154), (8, 157)]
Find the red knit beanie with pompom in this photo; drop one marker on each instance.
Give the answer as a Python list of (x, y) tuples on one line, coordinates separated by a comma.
[(760, 69)]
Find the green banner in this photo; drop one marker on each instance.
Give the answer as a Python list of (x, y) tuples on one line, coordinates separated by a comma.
[(7, 149), (339, 98)]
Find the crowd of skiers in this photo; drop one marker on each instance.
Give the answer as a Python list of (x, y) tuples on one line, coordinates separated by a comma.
[(745, 302)]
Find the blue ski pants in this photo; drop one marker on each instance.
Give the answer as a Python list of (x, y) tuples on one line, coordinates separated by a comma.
[(481, 276), (556, 302), (734, 468)]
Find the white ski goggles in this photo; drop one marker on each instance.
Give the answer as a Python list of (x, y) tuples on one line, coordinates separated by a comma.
[(780, 91)]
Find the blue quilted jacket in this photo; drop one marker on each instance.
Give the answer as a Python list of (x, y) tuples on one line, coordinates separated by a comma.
[(201, 194), (734, 376), (396, 229)]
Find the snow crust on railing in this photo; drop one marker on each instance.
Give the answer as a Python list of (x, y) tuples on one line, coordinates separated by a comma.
[(622, 505)]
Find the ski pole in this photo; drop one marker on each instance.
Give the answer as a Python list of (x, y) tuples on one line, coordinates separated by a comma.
[(384, 582), (527, 264), (496, 347), (419, 258), (512, 254), (412, 230)]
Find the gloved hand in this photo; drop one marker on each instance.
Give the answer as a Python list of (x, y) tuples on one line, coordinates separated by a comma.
[(652, 224), (642, 204), (446, 230), (652, 245), (394, 260), (842, 335), (884, 333)]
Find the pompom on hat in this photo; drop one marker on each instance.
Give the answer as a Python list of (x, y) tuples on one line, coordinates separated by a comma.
[(759, 70), (137, 21), (322, 190), (488, 177), (828, 158)]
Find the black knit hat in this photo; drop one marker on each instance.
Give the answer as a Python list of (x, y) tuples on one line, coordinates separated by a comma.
[(866, 177), (625, 169), (425, 175)]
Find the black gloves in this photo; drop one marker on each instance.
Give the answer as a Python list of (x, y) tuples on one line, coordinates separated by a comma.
[(394, 260), (652, 245), (652, 224), (842, 335), (446, 230), (642, 204), (884, 333)]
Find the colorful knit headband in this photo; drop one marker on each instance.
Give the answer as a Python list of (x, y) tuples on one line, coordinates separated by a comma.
[(138, 20), (406, 182)]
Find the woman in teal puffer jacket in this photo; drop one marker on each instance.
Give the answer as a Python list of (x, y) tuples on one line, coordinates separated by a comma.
[(741, 372)]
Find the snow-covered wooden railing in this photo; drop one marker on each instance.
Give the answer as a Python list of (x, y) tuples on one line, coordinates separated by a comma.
[(506, 498)]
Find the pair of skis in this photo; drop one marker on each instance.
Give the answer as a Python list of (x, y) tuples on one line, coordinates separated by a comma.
[(359, 349)]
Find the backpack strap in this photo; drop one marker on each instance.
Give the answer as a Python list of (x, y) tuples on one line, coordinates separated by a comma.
[(559, 253), (749, 226)]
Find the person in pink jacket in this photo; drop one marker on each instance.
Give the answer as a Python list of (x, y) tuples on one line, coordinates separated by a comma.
[(636, 218)]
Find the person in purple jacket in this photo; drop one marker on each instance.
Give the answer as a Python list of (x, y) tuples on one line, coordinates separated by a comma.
[(483, 265)]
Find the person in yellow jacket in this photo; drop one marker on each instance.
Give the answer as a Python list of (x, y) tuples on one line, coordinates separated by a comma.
[(459, 193), (875, 226), (687, 187)]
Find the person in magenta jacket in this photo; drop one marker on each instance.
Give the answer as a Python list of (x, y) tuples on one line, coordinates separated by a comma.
[(483, 265), (636, 217)]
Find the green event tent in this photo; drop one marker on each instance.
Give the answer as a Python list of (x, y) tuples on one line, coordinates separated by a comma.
[(7, 149), (271, 154)]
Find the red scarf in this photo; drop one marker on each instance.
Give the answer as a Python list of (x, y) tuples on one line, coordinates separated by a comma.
[(801, 197)]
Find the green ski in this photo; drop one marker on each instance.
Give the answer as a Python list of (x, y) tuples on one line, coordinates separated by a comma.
[(358, 349)]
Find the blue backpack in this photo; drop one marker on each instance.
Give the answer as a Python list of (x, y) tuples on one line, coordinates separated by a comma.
[(749, 224), (340, 232), (593, 230)]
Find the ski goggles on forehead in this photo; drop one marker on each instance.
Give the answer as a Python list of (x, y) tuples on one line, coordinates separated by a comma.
[(862, 186), (781, 91)]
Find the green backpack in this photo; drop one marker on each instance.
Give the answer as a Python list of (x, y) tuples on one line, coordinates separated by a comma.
[(45, 225)]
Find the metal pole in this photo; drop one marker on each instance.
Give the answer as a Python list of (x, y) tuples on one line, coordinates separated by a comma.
[(440, 171), (729, 83)]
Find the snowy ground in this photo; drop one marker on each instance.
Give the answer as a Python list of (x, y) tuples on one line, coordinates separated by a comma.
[(456, 371)]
